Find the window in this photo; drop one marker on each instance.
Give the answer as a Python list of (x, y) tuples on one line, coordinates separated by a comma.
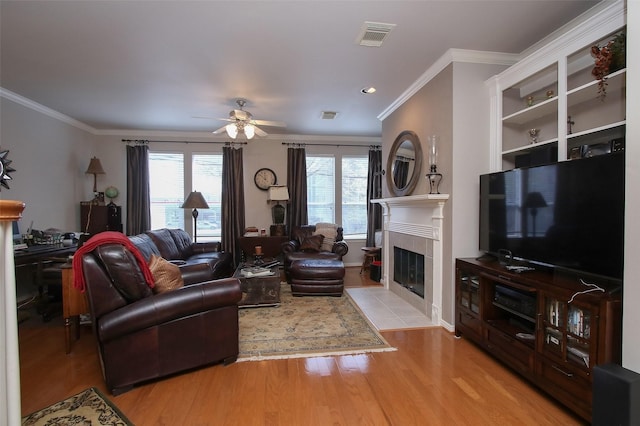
[(207, 178), (166, 186), (170, 182), (351, 177), (321, 189), (354, 194)]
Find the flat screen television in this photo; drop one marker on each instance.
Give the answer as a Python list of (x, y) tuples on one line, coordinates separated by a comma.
[(567, 215)]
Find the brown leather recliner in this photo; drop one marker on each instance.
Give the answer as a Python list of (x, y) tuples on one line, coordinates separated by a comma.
[(143, 336), (302, 247)]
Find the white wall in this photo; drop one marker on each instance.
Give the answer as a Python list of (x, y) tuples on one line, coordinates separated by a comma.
[(471, 157), (631, 313), (50, 158)]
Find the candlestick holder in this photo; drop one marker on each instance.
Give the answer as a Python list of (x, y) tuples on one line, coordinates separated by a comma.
[(257, 259), (434, 179)]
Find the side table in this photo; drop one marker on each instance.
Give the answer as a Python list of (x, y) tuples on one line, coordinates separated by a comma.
[(271, 246), (370, 255), (74, 303)]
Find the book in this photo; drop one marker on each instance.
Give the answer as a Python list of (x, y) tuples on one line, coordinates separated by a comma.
[(255, 271)]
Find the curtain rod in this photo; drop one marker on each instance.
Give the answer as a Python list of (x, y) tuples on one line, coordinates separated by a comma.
[(146, 141), (338, 145)]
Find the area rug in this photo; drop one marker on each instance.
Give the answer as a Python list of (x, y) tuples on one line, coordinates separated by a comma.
[(307, 326), (89, 407)]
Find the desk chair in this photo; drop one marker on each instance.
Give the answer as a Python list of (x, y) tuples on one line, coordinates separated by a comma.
[(49, 276)]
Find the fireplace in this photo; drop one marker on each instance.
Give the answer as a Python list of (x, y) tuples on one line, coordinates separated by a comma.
[(412, 250), (408, 270)]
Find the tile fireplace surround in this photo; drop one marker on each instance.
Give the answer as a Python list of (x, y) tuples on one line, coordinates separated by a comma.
[(415, 223)]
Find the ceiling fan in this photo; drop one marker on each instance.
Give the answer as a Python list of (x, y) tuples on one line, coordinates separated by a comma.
[(242, 121)]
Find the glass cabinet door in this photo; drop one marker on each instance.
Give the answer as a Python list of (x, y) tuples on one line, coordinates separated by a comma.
[(554, 320), (568, 329), (470, 292), (578, 335)]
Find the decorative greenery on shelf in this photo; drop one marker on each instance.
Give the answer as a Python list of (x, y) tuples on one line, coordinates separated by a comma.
[(609, 58)]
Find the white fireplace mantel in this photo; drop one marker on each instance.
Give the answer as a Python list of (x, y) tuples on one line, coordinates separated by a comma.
[(420, 216), (413, 199)]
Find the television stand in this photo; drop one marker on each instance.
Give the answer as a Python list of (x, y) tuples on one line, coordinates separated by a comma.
[(540, 324)]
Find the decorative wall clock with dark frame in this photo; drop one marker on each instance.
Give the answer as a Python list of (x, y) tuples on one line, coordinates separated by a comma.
[(264, 178)]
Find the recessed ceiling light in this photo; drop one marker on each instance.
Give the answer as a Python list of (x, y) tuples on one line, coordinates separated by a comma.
[(368, 90)]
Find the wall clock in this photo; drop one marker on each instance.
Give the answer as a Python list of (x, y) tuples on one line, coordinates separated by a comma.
[(264, 178)]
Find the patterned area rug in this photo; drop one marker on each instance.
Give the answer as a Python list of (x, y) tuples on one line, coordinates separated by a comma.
[(89, 407), (307, 327)]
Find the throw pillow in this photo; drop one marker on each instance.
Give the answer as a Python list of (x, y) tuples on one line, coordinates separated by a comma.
[(300, 234), (166, 274), (312, 243), (328, 230)]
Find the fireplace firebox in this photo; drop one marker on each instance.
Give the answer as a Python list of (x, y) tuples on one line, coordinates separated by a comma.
[(408, 270)]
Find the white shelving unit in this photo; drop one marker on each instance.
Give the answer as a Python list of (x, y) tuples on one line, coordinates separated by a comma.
[(553, 87)]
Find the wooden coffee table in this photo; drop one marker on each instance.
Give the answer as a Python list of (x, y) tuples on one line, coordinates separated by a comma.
[(259, 291)]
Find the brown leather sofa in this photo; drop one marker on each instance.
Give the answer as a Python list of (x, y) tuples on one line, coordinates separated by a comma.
[(175, 245), (300, 247), (143, 336)]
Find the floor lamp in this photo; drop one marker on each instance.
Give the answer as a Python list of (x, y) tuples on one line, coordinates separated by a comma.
[(195, 201)]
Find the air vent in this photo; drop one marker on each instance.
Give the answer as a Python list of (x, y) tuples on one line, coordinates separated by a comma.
[(373, 34), (328, 115)]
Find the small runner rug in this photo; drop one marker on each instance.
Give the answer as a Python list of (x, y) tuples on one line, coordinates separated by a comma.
[(89, 407), (307, 326)]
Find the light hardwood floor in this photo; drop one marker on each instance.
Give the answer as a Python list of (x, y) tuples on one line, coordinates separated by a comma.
[(432, 379)]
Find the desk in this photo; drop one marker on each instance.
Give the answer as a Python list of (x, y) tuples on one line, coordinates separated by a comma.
[(74, 303), (271, 246), (38, 254)]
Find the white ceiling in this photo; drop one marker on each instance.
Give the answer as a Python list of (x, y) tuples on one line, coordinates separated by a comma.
[(154, 65)]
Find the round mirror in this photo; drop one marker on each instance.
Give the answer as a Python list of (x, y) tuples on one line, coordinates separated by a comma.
[(404, 163)]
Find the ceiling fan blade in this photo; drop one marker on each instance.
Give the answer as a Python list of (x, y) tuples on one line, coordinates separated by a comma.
[(269, 123), (214, 118), (220, 130), (260, 132)]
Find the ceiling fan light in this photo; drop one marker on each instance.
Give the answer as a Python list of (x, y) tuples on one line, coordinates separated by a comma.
[(249, 131), (232, 130)]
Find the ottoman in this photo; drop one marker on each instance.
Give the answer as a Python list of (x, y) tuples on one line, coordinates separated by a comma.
[(322, 277)]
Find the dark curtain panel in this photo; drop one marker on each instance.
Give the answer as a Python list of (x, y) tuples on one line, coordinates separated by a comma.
[(374, 190), (297, 183), (138, 194), (232, 201), (400, 172)]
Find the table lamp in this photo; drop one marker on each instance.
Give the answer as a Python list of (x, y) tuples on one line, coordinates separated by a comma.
[(95, 169), (195, 201), (278, 193)]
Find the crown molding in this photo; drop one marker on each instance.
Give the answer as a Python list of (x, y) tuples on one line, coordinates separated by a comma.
[(145, 134), (28, 103), (450, 56)]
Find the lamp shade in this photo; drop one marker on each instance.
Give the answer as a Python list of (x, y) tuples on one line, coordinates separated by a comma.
[(278, 193), (95, 167), (249, 131), (534, 200), (232, 130), (195, 200)]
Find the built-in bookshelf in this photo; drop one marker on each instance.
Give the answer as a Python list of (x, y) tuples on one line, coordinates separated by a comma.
[(550, 103)]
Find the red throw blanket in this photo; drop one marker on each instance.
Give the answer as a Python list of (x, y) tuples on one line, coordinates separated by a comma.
[(97, 240)]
